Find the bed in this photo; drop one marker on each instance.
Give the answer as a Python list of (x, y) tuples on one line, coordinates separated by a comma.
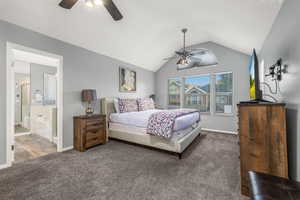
[(131, 127)]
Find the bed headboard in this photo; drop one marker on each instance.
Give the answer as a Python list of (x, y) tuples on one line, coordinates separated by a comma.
[(107, 106)]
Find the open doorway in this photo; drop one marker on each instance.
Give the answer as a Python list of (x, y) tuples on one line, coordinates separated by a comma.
[(35, 118), (35, 110)]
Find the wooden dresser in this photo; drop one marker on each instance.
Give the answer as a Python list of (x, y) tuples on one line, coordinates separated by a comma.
[(262, 135), (89, 131)]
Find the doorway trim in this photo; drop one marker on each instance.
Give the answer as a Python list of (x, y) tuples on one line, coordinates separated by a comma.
[(10, 90)]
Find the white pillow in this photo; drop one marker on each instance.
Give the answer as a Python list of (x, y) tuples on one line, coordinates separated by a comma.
[(116, 104)]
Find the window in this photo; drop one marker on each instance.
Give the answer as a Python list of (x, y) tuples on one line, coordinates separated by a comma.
[(174, 87), (197, 92), (223, 93)]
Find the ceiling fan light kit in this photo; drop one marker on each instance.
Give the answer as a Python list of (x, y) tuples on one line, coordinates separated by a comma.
[(89, 3), (93, 3), (182, 61), (98, 3), (108, 4)]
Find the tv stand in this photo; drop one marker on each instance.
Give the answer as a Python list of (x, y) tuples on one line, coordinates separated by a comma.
[(262, 136), (257, 101)]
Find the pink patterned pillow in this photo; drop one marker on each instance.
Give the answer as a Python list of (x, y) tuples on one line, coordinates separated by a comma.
[(128, 105), (145, 104)]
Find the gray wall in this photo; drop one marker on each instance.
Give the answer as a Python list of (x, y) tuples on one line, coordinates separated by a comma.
[(284, 41), (37, 78), (82, 69), (229, 60)]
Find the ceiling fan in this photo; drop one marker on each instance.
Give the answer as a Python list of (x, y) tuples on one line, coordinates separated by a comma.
[(108, 4), (197, 57)]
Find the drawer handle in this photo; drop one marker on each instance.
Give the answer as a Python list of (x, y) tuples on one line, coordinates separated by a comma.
[(93, 132), (94, 128)]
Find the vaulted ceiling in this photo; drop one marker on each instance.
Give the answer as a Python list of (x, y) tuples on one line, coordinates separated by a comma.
[(150, 29)]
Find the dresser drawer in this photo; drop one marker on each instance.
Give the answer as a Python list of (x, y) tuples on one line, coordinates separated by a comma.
[(92, 135), (93, 141), (94, 122), (95, 127)]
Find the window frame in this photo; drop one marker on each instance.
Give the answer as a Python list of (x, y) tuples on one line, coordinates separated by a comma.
[(180, 95), (212, 107), (233, 94)]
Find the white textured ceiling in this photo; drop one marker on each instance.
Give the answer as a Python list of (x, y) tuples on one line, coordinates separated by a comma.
[(150, 29)]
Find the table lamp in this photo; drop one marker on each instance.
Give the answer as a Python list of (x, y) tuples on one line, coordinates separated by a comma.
[(88, 96)]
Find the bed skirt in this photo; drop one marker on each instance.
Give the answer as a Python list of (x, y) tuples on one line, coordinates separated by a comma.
[(176, 146)]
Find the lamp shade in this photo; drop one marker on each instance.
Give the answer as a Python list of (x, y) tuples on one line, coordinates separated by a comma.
[(88, 95)]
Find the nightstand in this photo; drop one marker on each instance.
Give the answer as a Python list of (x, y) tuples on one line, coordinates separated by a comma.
[(89, 131)]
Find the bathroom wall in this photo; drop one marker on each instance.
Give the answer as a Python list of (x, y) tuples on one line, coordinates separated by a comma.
[(37, 81)]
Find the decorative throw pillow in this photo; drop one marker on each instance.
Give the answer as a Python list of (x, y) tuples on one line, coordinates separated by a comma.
[(145, 104), (128, 105)]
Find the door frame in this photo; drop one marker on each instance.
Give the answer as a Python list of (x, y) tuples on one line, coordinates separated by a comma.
[(10, 97)]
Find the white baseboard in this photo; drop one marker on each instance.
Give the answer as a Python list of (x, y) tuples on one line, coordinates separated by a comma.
[(219, 131), (67, 149), (4, 166)]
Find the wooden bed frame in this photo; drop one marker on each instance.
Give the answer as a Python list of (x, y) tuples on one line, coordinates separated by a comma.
[(173, 146)]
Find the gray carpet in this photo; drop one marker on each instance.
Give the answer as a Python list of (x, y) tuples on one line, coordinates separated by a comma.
[(208, 171)]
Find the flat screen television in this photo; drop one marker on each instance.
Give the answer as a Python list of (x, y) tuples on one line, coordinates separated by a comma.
[(255, 92)]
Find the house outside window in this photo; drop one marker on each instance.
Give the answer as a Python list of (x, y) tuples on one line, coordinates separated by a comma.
[(197, 92)]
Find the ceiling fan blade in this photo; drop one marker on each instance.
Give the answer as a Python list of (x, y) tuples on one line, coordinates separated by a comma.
[(187, 66), (199, 49), (205, 64), (199, 52), (113, 10), (67, 4), (205, 60), (180, 53)]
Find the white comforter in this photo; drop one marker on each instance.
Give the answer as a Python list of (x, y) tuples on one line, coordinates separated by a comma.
[(140, 119)]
